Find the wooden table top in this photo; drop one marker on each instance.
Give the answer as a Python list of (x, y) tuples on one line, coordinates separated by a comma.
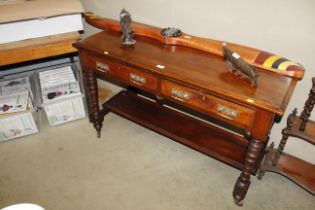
[(32, 49), (200, 70)]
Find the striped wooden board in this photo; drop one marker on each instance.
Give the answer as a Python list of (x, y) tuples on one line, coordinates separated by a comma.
[(255, 57), (269, 60)]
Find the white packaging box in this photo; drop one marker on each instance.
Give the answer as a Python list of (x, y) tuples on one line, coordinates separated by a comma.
[(30, 29), (65, 110), (20, 123), (22, 19)]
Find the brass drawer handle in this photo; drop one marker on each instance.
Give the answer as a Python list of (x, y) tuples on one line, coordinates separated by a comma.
[(179, 95), (138, 80), (227, 112), (102, 67)]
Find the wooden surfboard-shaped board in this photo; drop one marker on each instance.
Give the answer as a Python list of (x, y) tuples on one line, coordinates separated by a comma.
[(255, 57)]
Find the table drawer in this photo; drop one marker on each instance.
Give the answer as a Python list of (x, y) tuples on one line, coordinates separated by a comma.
[(132, 76), (220, 108)]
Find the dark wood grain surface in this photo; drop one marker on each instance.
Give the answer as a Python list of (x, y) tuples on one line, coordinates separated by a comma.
[(194, 80), (199, 69)]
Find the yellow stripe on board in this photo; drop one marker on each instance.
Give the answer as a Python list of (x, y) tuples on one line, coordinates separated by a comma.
[(284, 65), (271, 60)]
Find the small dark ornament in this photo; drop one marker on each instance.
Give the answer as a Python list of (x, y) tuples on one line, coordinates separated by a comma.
[(171, 32), (127, 33), (237, 65)]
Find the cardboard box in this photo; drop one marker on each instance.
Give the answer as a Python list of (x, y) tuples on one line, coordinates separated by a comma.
[(65, 110), (22, 122), (18, 125), (12, 11), (21, 20), (60, 94)]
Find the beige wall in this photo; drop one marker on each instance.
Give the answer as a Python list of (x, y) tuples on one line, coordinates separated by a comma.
[(284, 27)]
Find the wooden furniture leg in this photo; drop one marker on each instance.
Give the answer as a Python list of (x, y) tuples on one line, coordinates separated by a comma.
[(308, 107), (95, 115), (242, 184), (262, 170), (280, 149), (285, 136)]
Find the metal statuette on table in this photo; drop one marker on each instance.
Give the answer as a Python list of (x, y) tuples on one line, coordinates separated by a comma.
[(127, 33)]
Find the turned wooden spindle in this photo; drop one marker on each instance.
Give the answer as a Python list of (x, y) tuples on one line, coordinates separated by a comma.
[(96, 117), (285, 137), (308, 107), (243, 181)]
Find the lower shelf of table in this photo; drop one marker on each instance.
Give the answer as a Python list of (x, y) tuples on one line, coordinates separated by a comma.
[(201, 136), (299, 171)]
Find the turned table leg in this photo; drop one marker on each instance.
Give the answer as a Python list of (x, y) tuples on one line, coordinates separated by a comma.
[(95, 116), (243, 181)]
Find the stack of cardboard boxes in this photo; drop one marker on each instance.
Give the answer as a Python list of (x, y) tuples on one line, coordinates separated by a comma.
[(18, 114), (57, 89)]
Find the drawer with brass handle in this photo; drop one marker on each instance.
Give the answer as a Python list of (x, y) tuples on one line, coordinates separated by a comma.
[(179, 94), (102, 67), (209, 104), (136, 79), (123, 73)]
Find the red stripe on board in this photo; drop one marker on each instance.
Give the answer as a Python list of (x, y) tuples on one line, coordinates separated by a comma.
[(295, 68), (262, 57)]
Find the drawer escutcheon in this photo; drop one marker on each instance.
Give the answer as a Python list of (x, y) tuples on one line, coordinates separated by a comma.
[(138, 80), (179, 95), (227, 112), (102, 67)]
